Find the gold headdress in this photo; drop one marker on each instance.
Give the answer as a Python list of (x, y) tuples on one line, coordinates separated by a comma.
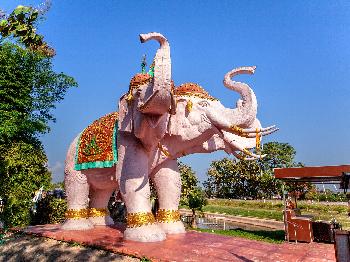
[(192, 89)]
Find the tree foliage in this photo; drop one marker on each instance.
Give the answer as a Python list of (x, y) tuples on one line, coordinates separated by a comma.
[(23, 171), (191, 194), (237, 179), (29, 89), (189, 182), (252, 179), (21, 24)]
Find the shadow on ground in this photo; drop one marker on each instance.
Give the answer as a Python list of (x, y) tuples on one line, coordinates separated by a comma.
[(28, 248)]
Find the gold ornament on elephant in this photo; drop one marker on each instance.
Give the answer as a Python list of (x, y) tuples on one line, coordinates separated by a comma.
[(135, 82), (98, 212), (238, 131), (258, 141), (189, 106), (139, 219), (163, 150), (167, 216), (192, 89), (77, 213)]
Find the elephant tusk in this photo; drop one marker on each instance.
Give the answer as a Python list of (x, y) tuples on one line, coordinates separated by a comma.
[(239, 147), (247, 152), (254, 130), (242, 157), (250, 133)]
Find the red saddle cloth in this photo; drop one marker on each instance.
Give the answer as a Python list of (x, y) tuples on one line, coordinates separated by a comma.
[(97, 144)]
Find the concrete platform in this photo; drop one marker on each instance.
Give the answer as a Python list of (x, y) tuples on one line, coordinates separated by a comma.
[(192, 246)]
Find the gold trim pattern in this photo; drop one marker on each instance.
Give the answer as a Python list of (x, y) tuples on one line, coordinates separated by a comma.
[(77, 213), (98, 212), (247, 152), (258, 141), (193, 89), (167, 216), (238, 130), (163, 150), (139, 219), (196, 95)]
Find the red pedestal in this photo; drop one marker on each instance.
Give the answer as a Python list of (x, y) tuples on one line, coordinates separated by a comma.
[(192, 246)]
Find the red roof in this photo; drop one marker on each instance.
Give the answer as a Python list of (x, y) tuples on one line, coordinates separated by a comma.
[(312, 174)]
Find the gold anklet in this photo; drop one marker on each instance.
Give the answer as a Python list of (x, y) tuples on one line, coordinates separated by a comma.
[(77, 213), (139, 219), (166, 216), (98, 212)]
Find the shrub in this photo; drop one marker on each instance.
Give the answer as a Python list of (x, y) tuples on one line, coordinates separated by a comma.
[(23, 170), (50, 210)]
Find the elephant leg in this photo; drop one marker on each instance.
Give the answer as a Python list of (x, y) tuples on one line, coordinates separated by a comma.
[(102, 184), (167, 181), (135, 190), (77, 191), (98, 213)]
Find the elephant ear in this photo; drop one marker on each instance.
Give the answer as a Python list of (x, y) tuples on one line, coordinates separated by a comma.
[(125, 115), (178, 121)]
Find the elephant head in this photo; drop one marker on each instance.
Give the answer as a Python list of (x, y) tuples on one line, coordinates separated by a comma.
[(144, 109), (200, 117)]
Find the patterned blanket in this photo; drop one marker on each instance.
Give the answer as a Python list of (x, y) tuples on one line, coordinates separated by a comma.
[(97, 144)]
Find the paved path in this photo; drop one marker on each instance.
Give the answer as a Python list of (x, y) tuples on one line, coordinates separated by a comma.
[(192, 246)]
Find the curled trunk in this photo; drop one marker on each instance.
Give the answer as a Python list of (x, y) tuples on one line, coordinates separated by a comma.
[(246, 110)]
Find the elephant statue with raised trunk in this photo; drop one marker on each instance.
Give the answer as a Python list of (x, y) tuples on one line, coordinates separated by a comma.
[(156, 123)]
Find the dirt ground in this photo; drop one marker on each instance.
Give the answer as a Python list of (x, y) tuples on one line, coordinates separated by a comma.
[(28, 248)]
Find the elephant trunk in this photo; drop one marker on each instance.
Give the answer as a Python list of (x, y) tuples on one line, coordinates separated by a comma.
[(245, 113), (158, 100)]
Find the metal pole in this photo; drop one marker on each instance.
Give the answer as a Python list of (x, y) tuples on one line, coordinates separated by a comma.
[(285, 213)]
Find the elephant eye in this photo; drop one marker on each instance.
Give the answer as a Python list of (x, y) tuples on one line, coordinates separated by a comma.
[(203, 103)]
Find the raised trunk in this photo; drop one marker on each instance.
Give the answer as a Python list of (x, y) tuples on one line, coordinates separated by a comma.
[(245, 113), (158, 99)]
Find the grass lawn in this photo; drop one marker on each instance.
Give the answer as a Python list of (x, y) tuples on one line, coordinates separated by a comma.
[(267, 236)]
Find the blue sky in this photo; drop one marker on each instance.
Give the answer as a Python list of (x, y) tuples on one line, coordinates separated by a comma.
[(301, 50)]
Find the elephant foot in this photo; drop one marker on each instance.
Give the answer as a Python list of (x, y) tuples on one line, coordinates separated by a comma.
[(101, 221), (77, 224), (176, 227), (145, 233)]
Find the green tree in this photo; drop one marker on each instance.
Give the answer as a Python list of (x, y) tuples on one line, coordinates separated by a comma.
[(189, 182), (282, 155), (196, 202), (252, 179), (21, 24), (278, 155), (29, 90), (233, 179), (23, 170)]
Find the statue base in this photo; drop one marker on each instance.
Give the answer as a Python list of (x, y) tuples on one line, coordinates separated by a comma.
[(191, 246)]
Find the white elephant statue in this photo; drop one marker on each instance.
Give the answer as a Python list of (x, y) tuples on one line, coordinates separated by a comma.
[(156, 124)]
